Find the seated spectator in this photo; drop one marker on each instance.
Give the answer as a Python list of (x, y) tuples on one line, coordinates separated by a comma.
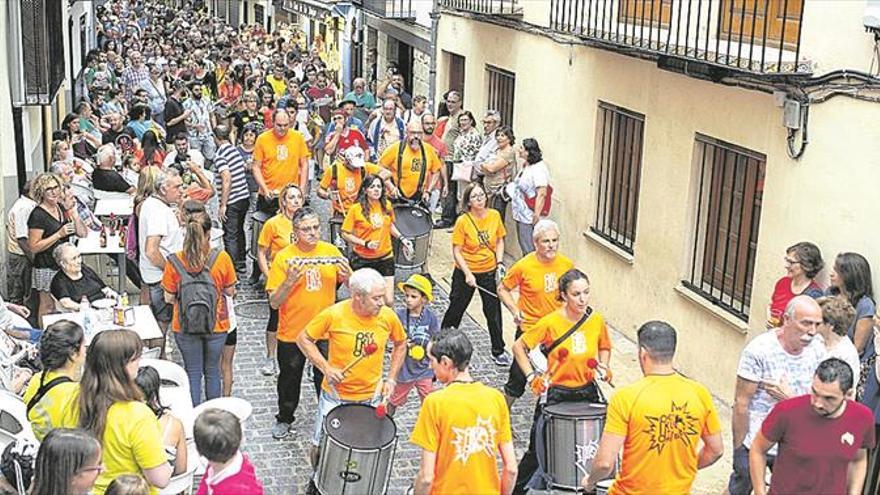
[(76, 280), (128, 484), (105, 177), (152, 150), (173, 435), (69, 461), (17, 463), (117, 133), (218, 436), (84, 145)]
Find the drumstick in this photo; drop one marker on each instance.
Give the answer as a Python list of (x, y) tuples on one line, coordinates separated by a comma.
[(369, 349), (596, 365), (487, 291)]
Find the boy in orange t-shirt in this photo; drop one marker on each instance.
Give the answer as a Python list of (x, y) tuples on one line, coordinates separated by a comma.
[(462, 427)]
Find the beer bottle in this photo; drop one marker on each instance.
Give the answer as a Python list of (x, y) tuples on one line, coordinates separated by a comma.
[(103, 236)]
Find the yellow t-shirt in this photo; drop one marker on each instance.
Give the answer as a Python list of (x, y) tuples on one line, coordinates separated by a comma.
[(464, 424), (375, 228), (411, 166), (477, 239), (277, 234), (663, 419), (314, 291), (348, 183), (538, 285), (582, 345), (347, 334), (279, 86), (132, 443), (279, 159), (54, 410)]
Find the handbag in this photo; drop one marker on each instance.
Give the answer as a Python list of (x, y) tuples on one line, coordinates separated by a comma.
[(462, 171), (548, 200)]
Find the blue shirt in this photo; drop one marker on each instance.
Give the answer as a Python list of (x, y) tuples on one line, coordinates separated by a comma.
[(419, 330)]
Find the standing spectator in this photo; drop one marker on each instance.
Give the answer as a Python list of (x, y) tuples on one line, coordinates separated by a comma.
[(69, 461), (447, 130), (429, 123), (531, 183), (851, 278), (774, 366), (499, 170), (175, 114), (838, 316), (152, 150), (277, 80), (281, 157), (156, 99), (322, 97), (246, 115), (384, 131), (217, 436), (234, 196), (823, 438), (803, 261), (489, 145), (465, 148), (246, 149), (201, 122), (182, 153), (18, 255), (364, 101), (201, 347), (136, 75), (342, 135), (229, 95), (419, 107)]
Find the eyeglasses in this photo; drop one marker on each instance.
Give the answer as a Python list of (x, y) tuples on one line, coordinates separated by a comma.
[(789, 261), (98, 469), (309, 228)]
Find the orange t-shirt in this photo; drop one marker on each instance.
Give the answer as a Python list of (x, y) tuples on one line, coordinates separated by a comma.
[(347, 334), (375, 228), (348, 183), (583, 345), (279, 158), (662, 418), (464, 424), (223, 273), (277, 234), (314, 291), (477, 239), (538, 285), (411, 167)]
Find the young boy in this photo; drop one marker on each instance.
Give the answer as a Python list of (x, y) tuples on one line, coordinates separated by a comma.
[(218, 435), (421, 324)]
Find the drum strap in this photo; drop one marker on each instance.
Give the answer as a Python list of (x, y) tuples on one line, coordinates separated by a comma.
[(562, 338), (422, 170)]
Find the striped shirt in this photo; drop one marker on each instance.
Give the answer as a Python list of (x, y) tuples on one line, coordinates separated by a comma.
[(228, 158)]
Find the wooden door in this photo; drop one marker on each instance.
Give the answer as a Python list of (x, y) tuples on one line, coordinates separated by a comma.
[(748, 19)]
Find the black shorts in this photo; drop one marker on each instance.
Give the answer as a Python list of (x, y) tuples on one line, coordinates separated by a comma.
[(385, 266), (232, 337), (272, 322)]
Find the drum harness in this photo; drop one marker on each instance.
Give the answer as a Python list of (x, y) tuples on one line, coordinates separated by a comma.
[(557, 393), (422, 171)]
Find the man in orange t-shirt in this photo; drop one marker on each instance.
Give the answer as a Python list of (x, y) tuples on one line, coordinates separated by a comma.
[(281, 157), (462, 427), (414, 165), (302, 282), (357, 330)]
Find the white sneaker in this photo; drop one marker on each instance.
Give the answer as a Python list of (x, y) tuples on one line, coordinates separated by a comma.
[(268, 368)]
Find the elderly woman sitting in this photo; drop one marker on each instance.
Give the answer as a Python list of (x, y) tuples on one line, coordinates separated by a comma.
[(76, 280)]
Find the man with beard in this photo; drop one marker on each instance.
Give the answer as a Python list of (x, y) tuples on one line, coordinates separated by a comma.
[(414, 165), (201, 121), (175, 114), (823, 438)]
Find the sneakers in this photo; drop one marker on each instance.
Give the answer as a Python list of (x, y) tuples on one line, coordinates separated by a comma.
[(502, 359), (268, 368), (280, 430)]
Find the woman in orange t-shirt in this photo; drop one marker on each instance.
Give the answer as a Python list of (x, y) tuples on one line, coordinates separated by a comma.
[(201, 352), (368, 227), (572, 365)]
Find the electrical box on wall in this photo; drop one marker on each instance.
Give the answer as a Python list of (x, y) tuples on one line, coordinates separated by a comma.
[(791, 114)]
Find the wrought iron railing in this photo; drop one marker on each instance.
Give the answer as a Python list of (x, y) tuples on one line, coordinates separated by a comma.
[(497, 7), (390, 9), (756, 36)]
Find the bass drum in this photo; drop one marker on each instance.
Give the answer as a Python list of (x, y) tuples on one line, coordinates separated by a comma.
[(572, 432), (415, 224)]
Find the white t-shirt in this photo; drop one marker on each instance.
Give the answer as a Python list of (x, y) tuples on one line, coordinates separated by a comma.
[(16, 223), (155, 219), (194, 155), (527, 183), (846, 350)]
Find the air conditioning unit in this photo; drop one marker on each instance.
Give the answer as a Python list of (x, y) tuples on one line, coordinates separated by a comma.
[(871, 20), (36, 59)]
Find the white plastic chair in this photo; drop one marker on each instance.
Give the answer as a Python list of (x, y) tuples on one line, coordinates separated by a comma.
[(168, 372), (174, 392), (183, 482), (241, 408), (13, 420)]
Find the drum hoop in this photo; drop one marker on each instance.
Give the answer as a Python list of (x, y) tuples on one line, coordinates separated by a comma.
[(328, 434)]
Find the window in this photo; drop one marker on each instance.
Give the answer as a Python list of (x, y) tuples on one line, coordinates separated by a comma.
[(619, 145), (456, 72), (730, 187), (646, 12), (775, 20), (500, 91)]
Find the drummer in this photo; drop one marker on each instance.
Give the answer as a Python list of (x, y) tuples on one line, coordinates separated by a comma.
[(342, 180), (536, 278), (352, 372), (368, 228), (276, 234), (301, 283), (414, 166), (659, 430), (575, 336)]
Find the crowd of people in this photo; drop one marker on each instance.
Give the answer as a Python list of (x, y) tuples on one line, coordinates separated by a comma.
[(220, 137)]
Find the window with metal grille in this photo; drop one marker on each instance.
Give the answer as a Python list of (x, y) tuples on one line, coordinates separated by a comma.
[(730, 188), (500, 92), (619, 143), (646, 12)]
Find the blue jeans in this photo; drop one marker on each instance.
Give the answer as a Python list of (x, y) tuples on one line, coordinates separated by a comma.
[(201, 356)]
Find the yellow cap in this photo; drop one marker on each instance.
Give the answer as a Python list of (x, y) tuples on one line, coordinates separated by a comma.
[(419, 283)]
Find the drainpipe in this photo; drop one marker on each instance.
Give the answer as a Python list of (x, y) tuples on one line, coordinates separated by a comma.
[(432, 71)]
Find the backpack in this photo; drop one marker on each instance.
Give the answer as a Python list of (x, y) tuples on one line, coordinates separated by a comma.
[(197, 297)]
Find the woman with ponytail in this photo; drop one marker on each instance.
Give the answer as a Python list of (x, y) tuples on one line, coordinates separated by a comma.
[(200, 347)]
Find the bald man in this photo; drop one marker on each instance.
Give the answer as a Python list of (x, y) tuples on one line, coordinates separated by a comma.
[(414, 165)]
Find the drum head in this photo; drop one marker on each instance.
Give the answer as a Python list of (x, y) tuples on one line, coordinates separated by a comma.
[(356, 426), (576, 410), (412, 221)]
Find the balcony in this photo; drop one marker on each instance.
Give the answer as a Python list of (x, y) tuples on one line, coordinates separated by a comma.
[(488, 7), (390, 9), (712, 37)]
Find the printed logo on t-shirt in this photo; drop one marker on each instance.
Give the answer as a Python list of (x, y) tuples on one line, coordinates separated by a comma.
[(313, 279), (281, 152), (376, 220), (578, 343), (361, 340), (483, 236), (676, 426), (415, 165), (349, 185), (847, 438), (550, 283), (476, 439)]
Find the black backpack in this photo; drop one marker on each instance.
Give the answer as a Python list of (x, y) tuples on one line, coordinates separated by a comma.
[(197, 297)]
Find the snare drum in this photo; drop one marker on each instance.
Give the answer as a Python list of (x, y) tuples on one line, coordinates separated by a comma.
[(357, 450), (415, 224), (572, 431)]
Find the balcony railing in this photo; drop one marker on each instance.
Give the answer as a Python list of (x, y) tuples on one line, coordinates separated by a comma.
[(390, 9), (491, 7), (755, 36)]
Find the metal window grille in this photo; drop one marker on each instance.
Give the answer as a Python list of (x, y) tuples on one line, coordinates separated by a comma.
[(501, 92), (730, 183), (619, 134), (42, 55)]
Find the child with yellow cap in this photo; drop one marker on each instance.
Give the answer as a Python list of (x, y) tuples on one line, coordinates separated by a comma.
[(421, 324)]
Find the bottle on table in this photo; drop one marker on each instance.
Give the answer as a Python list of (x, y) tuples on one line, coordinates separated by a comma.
[(103, 236), (85, 309)]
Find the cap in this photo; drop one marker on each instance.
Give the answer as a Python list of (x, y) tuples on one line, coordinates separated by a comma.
[(354, 156), (419, 283), (346, 100)]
